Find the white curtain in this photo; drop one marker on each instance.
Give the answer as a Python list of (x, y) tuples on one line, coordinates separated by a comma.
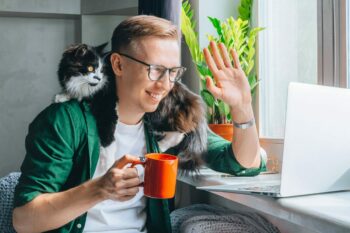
[(287, 52)]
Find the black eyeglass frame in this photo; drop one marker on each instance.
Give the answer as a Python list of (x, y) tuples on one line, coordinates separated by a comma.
[(150, 66)]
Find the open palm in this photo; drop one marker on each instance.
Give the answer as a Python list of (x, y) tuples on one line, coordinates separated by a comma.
[(231, 84)]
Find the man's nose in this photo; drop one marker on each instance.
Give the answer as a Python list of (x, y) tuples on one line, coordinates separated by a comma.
[(165, 79)]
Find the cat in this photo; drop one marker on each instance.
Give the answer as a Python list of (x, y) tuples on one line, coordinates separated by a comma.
[(83, 74), (80, 72), (180, 121)]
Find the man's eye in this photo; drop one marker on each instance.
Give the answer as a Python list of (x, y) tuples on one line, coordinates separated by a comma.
[(159, 69), (90, 68)]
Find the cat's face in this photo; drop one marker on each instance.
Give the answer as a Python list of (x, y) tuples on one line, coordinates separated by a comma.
[(81, 71)]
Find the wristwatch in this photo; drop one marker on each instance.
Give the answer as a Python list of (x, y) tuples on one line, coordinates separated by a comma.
[(244, 125)]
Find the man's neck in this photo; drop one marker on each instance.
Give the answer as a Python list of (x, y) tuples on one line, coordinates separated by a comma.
[(128, 117)]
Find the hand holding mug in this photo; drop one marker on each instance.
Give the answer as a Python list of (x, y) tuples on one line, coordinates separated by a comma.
[(119, 183)]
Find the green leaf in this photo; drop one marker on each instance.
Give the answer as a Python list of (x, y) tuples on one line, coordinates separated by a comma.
[(253, 82), (208, 98), (203, 69), (244, 9), (203, 83), (217, 25), (223, 108), (188, 30), (244, 12)]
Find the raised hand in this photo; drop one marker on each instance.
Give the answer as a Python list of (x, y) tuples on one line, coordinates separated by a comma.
[(231, 84)]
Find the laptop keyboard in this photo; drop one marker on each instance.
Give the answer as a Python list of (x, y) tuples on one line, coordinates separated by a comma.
[(265, 188)]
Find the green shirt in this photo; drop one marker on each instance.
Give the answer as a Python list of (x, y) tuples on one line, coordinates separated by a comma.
[(62, 150)]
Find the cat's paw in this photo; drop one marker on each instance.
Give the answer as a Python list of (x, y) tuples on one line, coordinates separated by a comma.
[(171, 139), (60, 98)]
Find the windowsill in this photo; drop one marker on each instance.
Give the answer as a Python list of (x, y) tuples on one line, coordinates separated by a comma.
[(316, 213)]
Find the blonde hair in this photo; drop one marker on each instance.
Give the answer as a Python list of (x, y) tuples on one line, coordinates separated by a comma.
[(140, 26)]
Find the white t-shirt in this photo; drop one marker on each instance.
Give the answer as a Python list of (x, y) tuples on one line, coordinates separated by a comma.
[(115, 216)]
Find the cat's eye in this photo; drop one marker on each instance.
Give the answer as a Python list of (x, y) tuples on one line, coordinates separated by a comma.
[(90, 68)]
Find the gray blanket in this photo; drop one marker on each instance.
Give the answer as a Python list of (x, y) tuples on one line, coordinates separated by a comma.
[(7, 189), (214, 219)]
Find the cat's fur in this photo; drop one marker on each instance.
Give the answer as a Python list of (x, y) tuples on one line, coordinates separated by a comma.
[(182, 111)]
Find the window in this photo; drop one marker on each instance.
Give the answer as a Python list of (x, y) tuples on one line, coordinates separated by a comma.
[(287, 52)]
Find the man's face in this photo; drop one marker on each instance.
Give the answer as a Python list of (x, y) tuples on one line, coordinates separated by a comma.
[(135, 89)]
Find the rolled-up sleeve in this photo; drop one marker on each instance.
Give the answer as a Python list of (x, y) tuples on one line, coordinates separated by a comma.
[(220, 158), (49, 154)]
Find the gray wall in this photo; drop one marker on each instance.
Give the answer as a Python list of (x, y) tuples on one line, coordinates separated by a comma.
[(95, 34), (29, 53), (40, 6), (33, 35)]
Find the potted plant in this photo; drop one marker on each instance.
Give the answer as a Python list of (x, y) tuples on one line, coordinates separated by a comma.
[(233, 33)]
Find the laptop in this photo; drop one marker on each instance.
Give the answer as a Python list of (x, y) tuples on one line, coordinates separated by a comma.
[(316, 153)]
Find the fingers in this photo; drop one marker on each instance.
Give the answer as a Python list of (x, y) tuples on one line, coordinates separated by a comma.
[(126, 189), (226, 57), (216, 55), (125, 194), (130, 173), (220, 59), (126, 159), (126, 184), (211, 64), (234, 54), (216, 91), (210, 61), (121, 178), (214, 60), (120, 184)]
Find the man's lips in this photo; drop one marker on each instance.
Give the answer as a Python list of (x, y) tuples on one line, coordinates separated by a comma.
[(154, 95)]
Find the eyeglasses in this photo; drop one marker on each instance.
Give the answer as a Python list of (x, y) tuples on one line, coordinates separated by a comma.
[(156, 72)]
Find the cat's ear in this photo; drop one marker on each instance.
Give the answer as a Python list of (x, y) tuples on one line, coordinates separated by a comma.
[(99, 49), (81, 50)]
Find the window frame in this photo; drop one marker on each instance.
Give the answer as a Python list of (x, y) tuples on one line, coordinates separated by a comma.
[(332, 62)]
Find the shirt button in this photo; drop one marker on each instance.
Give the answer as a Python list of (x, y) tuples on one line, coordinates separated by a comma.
[(79, 225)]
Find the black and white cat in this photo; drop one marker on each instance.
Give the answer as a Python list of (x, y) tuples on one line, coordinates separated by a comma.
[(83, 74), (80, 72)]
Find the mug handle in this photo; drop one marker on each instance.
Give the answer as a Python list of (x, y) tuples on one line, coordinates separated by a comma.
[(142, 161)]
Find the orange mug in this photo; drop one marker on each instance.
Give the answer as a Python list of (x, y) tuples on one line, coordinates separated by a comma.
[(160, 175)]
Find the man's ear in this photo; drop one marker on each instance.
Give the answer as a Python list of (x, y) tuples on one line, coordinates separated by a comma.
[(116, 64)]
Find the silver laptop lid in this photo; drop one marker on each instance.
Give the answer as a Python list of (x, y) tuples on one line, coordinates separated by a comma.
[(316, 156)]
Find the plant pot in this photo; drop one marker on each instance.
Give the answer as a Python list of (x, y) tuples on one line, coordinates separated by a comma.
[(223, 130)]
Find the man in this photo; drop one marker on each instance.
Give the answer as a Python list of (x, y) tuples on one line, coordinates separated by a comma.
[(65, 184)]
